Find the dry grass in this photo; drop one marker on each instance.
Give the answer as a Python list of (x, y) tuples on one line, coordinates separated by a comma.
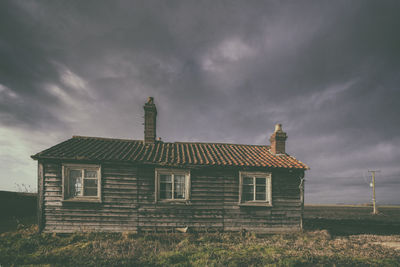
[(311, 248), (338, 247)]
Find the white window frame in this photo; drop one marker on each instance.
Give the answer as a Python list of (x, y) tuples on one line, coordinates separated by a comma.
[(268, 189), (66, 168), (172, 172)]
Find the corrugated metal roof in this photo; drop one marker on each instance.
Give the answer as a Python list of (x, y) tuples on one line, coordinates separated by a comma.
[(168, 154)]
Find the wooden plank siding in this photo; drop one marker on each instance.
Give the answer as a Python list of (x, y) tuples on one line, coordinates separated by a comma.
[(40, 199), (116, 212), (128, 203)]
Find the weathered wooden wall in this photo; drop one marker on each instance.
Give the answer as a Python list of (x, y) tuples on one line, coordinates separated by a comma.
[(284, 215), (128, 203), (214, 205), (117, 212), (204, 211)]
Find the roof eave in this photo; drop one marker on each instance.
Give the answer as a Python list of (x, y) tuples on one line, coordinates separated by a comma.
[(164, 164)]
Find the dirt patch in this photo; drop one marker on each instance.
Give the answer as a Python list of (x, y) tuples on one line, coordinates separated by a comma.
[(352, 226), (395, 245)]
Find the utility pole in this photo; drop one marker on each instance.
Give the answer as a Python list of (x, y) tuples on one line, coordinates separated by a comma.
[(373, 190)]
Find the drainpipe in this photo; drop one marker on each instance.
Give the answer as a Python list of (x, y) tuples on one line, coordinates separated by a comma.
[(301, 187)]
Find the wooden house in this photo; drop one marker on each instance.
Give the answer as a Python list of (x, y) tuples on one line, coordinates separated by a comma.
[(101, 184)]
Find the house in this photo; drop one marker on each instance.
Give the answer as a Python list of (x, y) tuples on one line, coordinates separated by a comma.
[(101, 184)]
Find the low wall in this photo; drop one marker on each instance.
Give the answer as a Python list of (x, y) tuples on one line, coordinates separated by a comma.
[(17, 204)]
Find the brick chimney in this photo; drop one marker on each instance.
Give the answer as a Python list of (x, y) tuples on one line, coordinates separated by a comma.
[(278, 140), (150, 115)]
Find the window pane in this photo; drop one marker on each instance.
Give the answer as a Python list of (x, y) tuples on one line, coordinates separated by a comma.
[(165, 178), (260, 196), (260, 189), (260, 181), (179, 186), (90, 191), (90, 174), (179, 179), (165, 187), (247, 180), (248, 192), (165, 194), (90, 182), (248, 188), (75, 183), (248, 197)]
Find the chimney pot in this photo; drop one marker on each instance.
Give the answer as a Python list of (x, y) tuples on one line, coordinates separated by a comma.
[(278, 127)]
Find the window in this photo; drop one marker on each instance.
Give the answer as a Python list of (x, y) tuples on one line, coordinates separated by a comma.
[(81, 182), (172, 184), (255, 188)]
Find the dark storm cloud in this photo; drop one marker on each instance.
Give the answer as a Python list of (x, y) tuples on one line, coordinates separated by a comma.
[(220, 71)]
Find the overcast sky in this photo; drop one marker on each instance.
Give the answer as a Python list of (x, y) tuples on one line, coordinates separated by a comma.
[(220, 71)]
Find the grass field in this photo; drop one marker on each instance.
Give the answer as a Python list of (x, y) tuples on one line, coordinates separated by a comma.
[(352, 219), (357, 212), (340, 245)]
